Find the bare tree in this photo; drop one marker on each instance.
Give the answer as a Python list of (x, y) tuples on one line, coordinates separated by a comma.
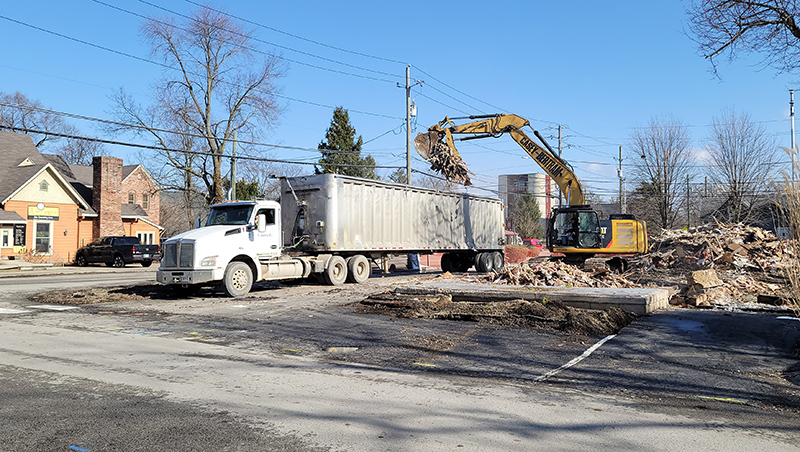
[(49, 132), (218, 89), (742, 158), (265, 173), (766, 27), (20, 114), (662, 150)]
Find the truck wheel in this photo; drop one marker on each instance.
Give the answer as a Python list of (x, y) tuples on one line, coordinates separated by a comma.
[(118, 262), (80, 260), (497, 260), (484, 263), (358, 269), (238, 279), (446, 262), (146, 263), (336, 273)]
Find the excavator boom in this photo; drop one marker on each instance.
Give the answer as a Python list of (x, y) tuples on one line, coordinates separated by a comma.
[(437, 146)]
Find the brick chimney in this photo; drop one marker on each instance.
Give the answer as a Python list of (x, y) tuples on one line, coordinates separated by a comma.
[(107, 196)]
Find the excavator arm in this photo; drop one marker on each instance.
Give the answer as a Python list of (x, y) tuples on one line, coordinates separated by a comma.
[(438, 147)]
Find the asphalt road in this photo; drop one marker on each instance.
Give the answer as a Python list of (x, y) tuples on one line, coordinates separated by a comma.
[(296, 367)]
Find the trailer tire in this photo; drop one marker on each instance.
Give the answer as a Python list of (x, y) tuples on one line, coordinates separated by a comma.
[(446, 262), (484, 263), (358, 269), (238, 279), (336, 273), (497, 260)]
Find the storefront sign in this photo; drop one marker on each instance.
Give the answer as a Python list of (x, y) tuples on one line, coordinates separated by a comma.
[(19, 238), (41, 212)]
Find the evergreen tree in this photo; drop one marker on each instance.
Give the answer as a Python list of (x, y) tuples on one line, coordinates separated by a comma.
[(526, 217), (399, 176), (341, 151)]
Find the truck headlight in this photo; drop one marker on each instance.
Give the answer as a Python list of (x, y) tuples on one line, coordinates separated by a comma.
[(209, 261)]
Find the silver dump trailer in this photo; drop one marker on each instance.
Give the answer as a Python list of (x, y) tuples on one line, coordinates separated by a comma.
[(328, 213), (331, 227)]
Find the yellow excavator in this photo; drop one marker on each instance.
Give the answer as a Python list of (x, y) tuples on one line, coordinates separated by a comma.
[(574, 231)]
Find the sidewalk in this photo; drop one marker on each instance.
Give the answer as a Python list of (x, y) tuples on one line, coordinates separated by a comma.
[(16, 268)]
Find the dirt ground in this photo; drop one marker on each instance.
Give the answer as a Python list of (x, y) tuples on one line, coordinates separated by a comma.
[(551, 315)]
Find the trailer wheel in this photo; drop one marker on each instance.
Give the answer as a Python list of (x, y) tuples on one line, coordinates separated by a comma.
[(497, 258), (446, 262), (484, 263), (358, 269), (336, 273), (238, 279)]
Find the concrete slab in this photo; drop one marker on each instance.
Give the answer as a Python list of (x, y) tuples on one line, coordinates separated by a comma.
[(638, 301)]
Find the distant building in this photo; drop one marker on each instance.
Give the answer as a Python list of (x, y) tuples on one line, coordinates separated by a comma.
[(50, 208), (540, 186)]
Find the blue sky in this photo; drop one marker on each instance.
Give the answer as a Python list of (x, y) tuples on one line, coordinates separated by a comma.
[(600, 69)]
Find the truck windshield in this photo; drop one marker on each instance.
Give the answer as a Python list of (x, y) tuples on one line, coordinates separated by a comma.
[(229, 215)]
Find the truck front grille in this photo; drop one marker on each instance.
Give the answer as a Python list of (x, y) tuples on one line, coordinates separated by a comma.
[(178, 255)]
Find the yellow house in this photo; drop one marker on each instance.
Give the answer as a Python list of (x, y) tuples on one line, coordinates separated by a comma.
[(48, 209)]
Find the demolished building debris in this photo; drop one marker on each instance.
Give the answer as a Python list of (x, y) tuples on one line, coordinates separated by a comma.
[(712, 265)]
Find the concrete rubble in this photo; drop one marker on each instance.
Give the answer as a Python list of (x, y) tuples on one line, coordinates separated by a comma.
[(708, 266)]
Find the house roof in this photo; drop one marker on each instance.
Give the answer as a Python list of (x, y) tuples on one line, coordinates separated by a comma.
[(133, 210), (15, 148), (21, 162), (9, 216)]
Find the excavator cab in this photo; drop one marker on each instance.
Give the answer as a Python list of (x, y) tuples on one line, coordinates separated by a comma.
[(574, 227)]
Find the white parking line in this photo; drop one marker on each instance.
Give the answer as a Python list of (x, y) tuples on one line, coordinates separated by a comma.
[(13, 311), (583, 356), (49, 307)]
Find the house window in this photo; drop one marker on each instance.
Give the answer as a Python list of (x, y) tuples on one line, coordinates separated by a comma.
[(146, 238), (42, 244), (145, 201), (43, 185), (131, 198), (5, 238)]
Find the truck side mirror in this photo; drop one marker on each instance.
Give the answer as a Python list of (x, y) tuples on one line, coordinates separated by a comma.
[(261, 221)]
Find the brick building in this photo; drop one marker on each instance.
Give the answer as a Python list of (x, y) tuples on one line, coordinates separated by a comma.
[(50, 208)]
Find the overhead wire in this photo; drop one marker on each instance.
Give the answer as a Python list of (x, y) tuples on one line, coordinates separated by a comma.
[(156, 129), (162, 65), (186, 151)]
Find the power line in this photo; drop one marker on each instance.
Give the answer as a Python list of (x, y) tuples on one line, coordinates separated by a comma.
[(330, 60), (185, 151), (155, 129), (296, 36), (162, 65)]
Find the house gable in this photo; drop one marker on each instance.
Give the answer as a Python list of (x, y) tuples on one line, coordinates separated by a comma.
[(47, 186)]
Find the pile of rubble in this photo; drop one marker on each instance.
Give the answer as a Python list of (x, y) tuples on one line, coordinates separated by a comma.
[(557, 273), (723, 264), (726, 247), (706, 266)]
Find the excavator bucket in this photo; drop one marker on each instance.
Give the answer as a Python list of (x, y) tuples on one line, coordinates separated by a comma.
[(424, 142), (443, 158)]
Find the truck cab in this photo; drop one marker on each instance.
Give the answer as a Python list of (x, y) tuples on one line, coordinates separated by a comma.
[(243, 231)]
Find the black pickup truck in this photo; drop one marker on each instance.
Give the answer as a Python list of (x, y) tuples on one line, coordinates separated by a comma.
[(117, 251)]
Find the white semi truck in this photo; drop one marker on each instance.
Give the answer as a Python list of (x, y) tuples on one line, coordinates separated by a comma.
[(332, 227)]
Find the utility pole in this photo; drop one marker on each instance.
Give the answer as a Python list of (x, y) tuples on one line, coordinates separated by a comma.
[(232, 196), (688, 217), (559, 157), (621, 186), (794, 143), (408, 124)]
